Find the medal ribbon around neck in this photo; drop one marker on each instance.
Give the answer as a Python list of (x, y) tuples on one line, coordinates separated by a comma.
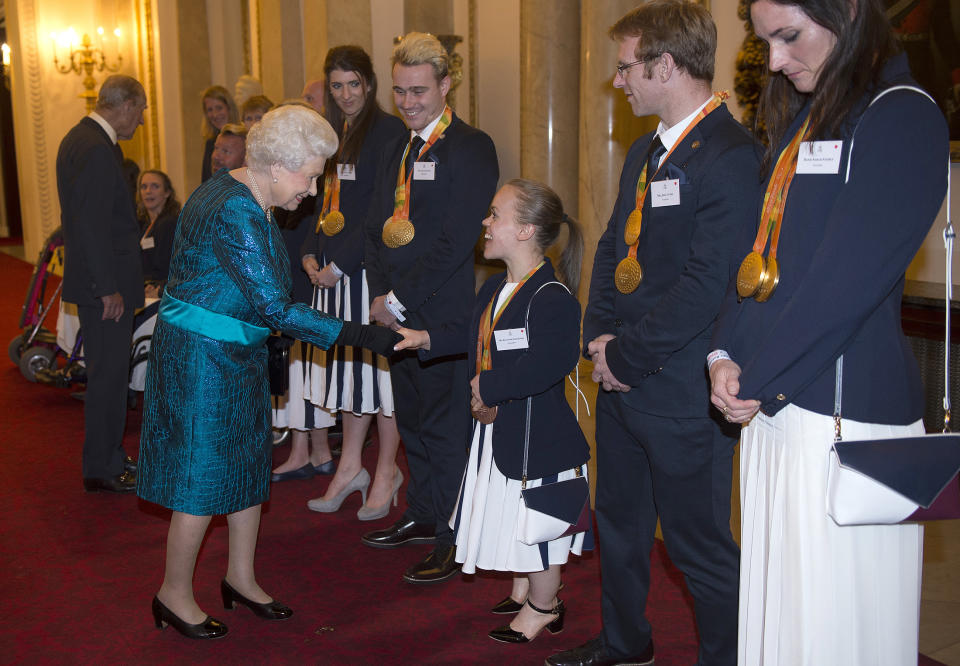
[(629, 273), (331, 219), (489, 321), (758, 277), (398, 230)]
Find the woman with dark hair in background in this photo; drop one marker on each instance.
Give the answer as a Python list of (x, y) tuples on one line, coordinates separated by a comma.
[(218, 110), (157, 211), (817, 316), (351, 381)]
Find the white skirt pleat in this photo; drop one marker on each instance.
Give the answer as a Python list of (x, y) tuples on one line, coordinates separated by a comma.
[(290, 410), (811, 591), (351, 379), (488, 507)]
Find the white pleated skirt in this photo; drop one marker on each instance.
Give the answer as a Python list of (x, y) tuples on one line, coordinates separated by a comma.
[(488, 509), (350, 379), (295, 410), (811, 591)]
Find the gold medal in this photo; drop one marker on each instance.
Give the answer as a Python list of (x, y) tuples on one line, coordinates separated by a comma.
[(771, 278), (333, 223), (632, 230), (397, 232), (750, 275), (628, 275)]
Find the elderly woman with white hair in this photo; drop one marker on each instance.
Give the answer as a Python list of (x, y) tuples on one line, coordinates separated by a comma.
[(206, 442)]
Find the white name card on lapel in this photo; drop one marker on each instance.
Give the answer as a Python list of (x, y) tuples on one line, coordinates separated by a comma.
[(821, 157), (424, 170), (665, 193)]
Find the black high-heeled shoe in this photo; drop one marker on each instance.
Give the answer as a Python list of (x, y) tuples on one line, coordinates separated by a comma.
[(272, 610), (206, 630), (505, 634)]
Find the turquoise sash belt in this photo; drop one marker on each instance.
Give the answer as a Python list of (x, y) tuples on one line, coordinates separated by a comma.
[(195, 319)]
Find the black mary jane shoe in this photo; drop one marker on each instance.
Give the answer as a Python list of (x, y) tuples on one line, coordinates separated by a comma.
[(206, 630), (505, 634), (272, 610)]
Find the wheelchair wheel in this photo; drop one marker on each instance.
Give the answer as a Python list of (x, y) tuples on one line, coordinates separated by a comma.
[(280, 436), (15, 348), (36, 358)]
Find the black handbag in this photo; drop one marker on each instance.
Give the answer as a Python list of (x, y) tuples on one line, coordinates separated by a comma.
[(278, 364), (551, 510)]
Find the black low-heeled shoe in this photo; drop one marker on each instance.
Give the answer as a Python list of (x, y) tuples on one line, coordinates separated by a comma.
[(507, 606), (272, 610), (505, 634), (206, 630)]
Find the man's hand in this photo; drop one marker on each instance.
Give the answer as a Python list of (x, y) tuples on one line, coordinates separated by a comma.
[(112, 306), (413, 339), (724, 387), (602, 375), (380, 313)]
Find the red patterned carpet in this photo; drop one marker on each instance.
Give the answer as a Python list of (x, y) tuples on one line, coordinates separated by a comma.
[(79, 570)]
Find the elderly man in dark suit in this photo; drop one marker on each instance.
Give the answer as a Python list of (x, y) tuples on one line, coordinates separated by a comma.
[(659, 277), (432, 194), (102, 275)]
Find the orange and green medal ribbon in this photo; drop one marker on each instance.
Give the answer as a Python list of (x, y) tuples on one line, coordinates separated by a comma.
[(629, 273), (401, 199), (488, 322), (759, 276), (331, 224)]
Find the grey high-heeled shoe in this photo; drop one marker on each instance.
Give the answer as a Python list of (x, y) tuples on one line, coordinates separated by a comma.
[(366, 513), (359, 482)]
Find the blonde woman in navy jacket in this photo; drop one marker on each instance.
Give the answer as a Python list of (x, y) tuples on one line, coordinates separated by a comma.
[(525, 219), (812, 591)]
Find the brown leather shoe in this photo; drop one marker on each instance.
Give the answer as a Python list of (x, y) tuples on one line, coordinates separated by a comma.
[(124, 483), (439, 565)]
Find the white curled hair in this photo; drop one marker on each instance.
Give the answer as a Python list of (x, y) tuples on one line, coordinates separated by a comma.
[(290, 136)]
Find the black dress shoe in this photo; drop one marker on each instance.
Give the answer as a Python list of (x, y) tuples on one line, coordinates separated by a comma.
[(308, 471), (506, 634), (593, 653), (437, 566), (206, 630), (129, 465), (401, 532), (507, 606), (272, 610), (124, 483)]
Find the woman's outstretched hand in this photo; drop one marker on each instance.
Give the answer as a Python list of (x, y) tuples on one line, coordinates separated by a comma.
[(375, 338), (413, 339)]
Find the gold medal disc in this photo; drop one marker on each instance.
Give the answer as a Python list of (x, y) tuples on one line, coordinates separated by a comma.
[(750, 275), (632, 231), (403, 231), (771, 278), (628, 275), (333, 223)]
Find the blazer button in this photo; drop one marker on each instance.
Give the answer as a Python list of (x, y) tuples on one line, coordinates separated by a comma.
[(781, 397)]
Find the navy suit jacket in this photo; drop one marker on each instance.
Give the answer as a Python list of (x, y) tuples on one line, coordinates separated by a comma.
[(556, 441), (663, 328), (100, 230), (842, 255), (432, 276), (346, 248)]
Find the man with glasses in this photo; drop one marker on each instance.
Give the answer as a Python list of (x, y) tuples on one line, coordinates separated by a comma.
[(688, 193)]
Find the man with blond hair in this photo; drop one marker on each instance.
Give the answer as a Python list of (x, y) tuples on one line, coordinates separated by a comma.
[(432, 194)]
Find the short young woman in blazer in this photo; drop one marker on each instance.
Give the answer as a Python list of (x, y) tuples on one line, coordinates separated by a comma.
[(525, 219)]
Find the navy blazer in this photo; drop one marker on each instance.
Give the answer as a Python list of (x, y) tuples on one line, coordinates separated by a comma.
[(156, 260), (432, 276), (663, 328), (556, 440), (100, 230), (842, 255), (346, 248)]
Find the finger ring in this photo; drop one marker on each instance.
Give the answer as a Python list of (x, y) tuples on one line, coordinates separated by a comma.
[(724, 410)]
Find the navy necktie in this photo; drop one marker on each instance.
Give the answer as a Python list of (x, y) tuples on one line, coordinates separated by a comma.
[(655, 152), (416, 143)]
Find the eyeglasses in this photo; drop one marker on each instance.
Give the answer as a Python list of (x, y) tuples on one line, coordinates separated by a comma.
[(622, 68)]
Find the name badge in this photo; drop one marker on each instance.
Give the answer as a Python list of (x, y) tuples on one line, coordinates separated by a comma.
[(819, 157), (664, 193), (147, 243), (347, 171), (511, 338), (424, 170)]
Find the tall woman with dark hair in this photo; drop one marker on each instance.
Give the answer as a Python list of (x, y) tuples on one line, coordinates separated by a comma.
[(843, 223), (349, 380)]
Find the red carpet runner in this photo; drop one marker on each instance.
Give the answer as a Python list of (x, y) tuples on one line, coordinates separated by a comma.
[(79, 570)]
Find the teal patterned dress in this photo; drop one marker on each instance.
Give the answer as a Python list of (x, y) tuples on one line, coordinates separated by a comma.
[(206, 442)]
